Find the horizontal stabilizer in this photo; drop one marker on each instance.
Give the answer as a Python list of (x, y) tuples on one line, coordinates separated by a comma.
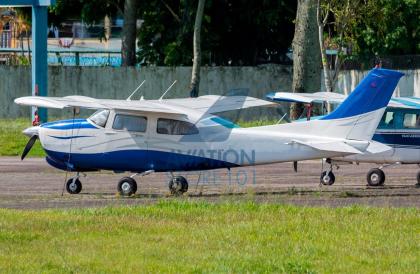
[(330, 146), (376, 147)]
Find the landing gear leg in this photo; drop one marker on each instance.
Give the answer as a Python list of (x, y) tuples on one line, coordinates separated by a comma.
[(73, 185), (127, 186), (327, 177), (178, 185)]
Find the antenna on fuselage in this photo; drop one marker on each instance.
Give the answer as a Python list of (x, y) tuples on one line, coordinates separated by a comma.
[(134, 92), (161, 97)]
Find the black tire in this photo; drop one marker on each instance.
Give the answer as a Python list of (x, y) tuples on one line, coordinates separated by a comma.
[(73, 186), (127, 186), (178, 185), (327, 178), (418, 177), (375, 177)]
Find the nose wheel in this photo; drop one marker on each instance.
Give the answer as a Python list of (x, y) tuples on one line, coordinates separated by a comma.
[(375, 177), (73, 185), (327, 178), (178, 185)]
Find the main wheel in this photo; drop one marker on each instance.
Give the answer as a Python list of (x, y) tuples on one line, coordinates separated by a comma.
[(127, 186), (178, 185), (327, 178), (418, 177), (375, 177), (73, 186)]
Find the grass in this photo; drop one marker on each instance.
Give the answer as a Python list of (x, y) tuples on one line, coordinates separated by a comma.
[(13, 141), (185, 236)]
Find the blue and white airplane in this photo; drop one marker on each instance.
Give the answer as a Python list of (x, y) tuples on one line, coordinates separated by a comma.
[(148, 136), (399, 129)]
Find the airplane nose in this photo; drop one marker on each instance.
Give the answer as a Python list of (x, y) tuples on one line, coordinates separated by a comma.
[(31, 131)]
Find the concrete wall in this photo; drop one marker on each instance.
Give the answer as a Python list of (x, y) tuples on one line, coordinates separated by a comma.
[(107, 82)]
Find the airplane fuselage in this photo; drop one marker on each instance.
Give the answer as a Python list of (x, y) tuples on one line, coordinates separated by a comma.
[(82, 145)]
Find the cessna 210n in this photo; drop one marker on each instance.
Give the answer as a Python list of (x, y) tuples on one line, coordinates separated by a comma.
[(148, 136), (399, 129)]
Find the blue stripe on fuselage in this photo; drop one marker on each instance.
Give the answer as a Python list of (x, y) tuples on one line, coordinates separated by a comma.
[(137, 161), (407, 138), (69, 137), (69, 124)]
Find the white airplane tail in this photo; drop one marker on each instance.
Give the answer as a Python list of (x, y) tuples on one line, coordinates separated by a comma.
[(359, 115)]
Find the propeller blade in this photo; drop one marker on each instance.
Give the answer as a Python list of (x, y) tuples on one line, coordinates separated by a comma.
[(28, 146), (295, 166)]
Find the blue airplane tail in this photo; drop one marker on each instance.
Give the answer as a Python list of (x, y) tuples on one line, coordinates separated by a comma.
[(373, 93)]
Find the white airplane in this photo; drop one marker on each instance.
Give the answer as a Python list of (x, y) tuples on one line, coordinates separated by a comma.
[(399, 128), (148, 136)]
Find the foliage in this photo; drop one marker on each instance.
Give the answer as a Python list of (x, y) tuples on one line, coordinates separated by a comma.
[(12, 139), (245, 32), (388, 27), (185, 236)]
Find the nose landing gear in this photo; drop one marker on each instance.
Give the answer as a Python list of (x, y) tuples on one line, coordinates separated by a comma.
[(73, 185)]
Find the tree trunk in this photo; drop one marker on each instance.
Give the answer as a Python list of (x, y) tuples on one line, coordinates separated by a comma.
[(306, 57), (107, 27), (128, 50), (195, 76)]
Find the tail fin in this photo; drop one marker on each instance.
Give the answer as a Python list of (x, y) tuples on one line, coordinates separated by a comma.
[(365, 106), (359, 115), (372, 94)]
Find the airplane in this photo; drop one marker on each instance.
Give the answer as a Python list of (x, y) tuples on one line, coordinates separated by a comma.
[(169, 135), (399, 129)]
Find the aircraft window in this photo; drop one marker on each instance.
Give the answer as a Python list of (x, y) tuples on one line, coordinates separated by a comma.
[(130, 123), (100, 117), (175, 127), (387, 120), (411, 120)]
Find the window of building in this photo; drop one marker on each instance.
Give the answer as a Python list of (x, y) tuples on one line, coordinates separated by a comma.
[(175, 127), (130, 123)]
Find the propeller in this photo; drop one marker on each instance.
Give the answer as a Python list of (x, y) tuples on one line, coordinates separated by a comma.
[(28, 146), (295, 164)]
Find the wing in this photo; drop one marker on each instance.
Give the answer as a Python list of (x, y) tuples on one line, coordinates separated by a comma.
[(307, 98), (215, 103), (92, 103), (336, 98)]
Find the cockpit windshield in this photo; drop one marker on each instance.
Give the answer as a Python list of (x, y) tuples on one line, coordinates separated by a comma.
[(100, 117)]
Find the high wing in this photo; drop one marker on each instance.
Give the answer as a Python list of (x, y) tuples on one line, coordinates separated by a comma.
[(307, 98), (215, 103), (335, 98), (204, 104)]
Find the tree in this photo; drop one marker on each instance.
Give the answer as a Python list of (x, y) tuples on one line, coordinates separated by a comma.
[(344, 15), (387, 27), (234, 32), (306, 57), (195, 77), (128, 50), (95, 10)]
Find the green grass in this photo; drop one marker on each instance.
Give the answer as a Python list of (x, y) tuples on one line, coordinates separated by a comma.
[(12, 139), (185, 236), (257, 123)]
